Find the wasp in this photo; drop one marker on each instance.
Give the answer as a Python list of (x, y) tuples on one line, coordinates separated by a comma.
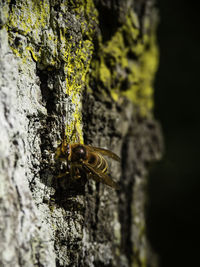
[(89, 159)]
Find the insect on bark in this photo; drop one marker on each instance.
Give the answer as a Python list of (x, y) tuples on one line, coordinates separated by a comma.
[(89, 159)]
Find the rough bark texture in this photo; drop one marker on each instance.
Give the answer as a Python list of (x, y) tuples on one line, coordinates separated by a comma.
[(93, 63)]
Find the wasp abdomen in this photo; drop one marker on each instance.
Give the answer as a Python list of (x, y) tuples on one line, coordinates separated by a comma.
[(98, 162)]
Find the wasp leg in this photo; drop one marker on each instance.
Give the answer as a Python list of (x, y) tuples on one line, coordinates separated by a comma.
[(75, 171), (77, 175), (62, 175)]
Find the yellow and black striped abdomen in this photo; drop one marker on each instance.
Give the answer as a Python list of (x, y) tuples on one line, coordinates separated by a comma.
[(97, 162)]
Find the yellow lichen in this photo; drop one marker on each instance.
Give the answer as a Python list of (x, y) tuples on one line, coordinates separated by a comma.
[(31, 19), (128, 64)]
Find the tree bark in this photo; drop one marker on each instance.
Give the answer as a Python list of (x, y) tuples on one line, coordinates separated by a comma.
[(90, 65)]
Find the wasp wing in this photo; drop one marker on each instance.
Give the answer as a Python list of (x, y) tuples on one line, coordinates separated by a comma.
[(100, 177), (105, 152)]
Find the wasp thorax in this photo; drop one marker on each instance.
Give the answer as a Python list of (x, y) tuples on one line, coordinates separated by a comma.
[(79, 152)]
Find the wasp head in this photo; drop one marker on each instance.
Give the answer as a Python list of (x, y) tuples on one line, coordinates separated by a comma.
[(63, 152)]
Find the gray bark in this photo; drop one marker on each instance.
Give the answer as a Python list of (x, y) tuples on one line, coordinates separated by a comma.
[(46, 221)]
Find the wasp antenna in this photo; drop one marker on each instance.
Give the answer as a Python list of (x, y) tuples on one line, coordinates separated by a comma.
[(75, 132)]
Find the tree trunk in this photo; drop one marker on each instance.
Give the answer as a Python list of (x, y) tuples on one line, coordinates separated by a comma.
[(88, 65)]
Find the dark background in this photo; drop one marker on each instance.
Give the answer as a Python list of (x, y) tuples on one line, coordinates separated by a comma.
[(173, 215)]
